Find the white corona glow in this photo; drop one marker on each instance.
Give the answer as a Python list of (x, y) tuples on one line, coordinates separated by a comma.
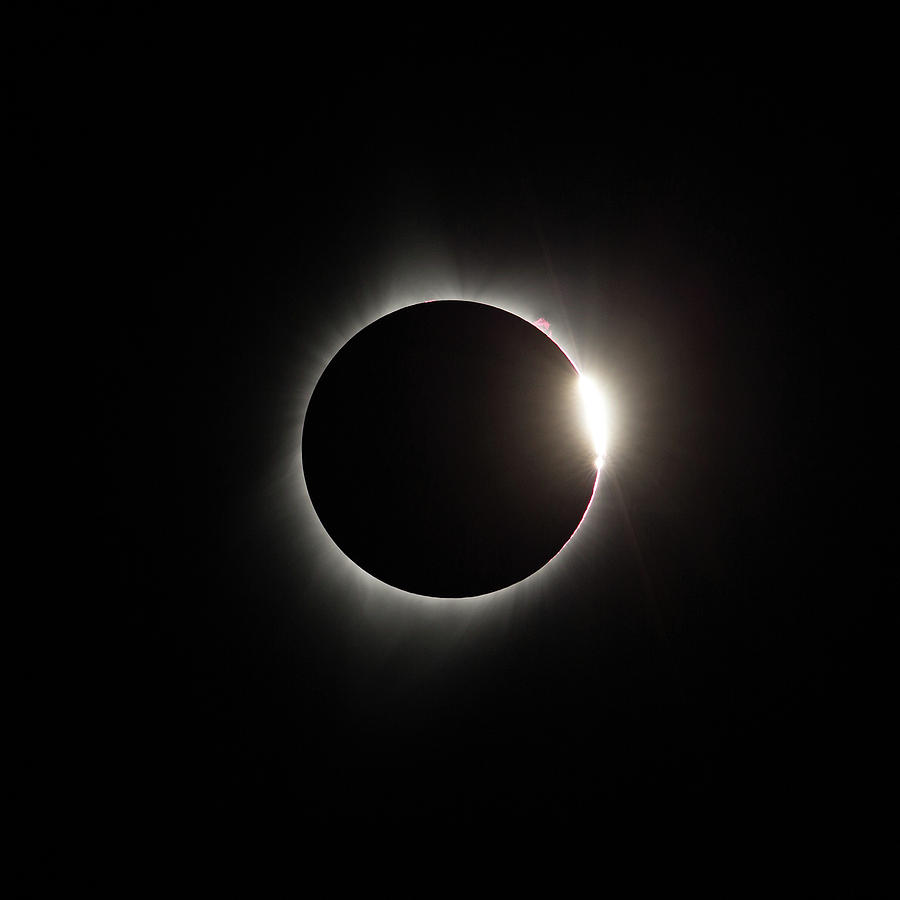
[(326, 564), (595, 416)]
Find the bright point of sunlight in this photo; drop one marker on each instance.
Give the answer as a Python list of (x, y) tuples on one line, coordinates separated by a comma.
[(595, 416)]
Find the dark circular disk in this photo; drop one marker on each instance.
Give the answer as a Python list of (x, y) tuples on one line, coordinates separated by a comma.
[(445, 450)]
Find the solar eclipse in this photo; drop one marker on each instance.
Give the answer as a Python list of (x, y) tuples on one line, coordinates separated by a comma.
[(451, 448)]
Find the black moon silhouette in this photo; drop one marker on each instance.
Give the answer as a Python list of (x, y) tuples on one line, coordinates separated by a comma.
[(445, 449)]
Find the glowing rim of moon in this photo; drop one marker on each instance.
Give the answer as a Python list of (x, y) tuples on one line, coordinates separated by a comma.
[(330, 563)]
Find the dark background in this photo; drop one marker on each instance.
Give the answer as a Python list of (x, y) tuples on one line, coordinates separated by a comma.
[(219, 198)]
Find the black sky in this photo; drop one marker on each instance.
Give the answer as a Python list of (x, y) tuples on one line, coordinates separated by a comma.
[(227, 201)]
